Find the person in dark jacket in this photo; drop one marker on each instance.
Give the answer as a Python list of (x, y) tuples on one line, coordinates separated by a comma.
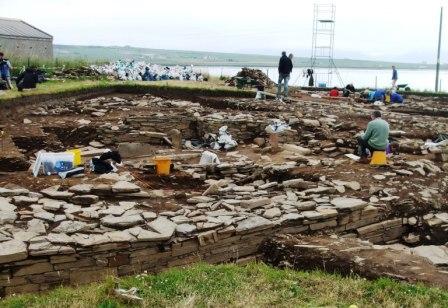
[(394, 77), (28, 79), (309, 74), (284, 73), (349, 89)]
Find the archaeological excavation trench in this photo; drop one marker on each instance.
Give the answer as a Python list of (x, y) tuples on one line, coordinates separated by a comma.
[(299, 205)]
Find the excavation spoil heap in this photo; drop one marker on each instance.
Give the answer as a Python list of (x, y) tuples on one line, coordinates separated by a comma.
[(254, 74)]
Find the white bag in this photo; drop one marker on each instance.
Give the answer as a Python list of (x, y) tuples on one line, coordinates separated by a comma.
[(209, 158), (226, 139), (276, 127)]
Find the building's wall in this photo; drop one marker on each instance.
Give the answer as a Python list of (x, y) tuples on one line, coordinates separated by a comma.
[(26, 48)]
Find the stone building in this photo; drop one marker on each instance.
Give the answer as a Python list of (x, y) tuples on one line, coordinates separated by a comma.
[(19, 39)]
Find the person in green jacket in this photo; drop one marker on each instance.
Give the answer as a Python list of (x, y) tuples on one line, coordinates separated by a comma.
[(375, 138)]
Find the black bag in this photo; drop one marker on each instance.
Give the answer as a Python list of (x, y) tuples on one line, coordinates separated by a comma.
[(101, 165)]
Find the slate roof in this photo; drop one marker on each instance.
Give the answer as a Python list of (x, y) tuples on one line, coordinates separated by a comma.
[(19, 28)]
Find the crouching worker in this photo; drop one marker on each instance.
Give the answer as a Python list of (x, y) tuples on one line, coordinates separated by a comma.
[(28, 79), (394, 98), (349, 89), (334, 92), (375, 138)]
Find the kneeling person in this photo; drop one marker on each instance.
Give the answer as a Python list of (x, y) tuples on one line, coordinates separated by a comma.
[(375, 138), (28, 79)]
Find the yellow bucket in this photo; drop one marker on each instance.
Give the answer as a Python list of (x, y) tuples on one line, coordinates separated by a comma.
[(77, 160), (163, 165), (379, 158)]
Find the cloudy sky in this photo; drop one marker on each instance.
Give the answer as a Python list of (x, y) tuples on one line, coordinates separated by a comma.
[(396, 30)]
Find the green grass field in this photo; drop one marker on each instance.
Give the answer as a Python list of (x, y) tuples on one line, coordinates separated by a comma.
[(74, 56), (201, 58), (253, 285), (213, 87)]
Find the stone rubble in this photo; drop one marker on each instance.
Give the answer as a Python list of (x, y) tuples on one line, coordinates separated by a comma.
[(307, 185)]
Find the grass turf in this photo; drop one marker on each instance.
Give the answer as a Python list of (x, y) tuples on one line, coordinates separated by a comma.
[(213, 87), (253, 285)]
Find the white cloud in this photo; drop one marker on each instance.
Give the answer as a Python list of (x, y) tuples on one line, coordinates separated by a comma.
[(386, 29)]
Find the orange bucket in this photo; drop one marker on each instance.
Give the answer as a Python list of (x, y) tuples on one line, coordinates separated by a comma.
[(163, 165)]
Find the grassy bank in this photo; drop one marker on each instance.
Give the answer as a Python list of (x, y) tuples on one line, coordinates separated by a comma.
[(253, 285), (214, 87), (49, 66)]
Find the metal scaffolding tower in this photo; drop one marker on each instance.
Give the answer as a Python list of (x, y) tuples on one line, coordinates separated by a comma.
[(322, 62)]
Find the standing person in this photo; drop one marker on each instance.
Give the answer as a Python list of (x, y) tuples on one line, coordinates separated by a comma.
[(284, 74), (5, 70), (309, 74), (375, 138), (394, 77)]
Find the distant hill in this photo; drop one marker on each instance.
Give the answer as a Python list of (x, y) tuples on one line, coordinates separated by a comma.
[(199, 58)]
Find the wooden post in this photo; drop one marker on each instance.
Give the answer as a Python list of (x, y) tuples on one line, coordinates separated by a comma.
[(438, 50), (273, 141), (176, 138)]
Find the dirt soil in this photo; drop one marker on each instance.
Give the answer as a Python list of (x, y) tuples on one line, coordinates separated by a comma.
[(324, 127), (351, 256)]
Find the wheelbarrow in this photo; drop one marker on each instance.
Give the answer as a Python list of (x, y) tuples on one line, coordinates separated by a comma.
[(403, 87)]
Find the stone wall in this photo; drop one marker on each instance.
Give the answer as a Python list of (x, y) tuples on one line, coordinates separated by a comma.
[(241, 130), (94, 260), (133, 128), (26, 48)]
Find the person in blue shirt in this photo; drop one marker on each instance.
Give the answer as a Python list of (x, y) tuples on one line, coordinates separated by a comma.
[(394, 77), (379, 95), (368, 95), (5, 70), (395, 97)]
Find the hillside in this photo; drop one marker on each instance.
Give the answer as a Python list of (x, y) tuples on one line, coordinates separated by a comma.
[(180, 57)]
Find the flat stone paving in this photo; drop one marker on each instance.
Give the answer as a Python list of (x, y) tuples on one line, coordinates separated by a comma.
[(308, 185)]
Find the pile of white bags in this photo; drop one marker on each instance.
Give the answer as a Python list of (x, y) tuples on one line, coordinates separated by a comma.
[(134, 70)]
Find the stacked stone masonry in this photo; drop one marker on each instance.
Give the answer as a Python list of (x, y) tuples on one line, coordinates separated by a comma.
[(115, 224)]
